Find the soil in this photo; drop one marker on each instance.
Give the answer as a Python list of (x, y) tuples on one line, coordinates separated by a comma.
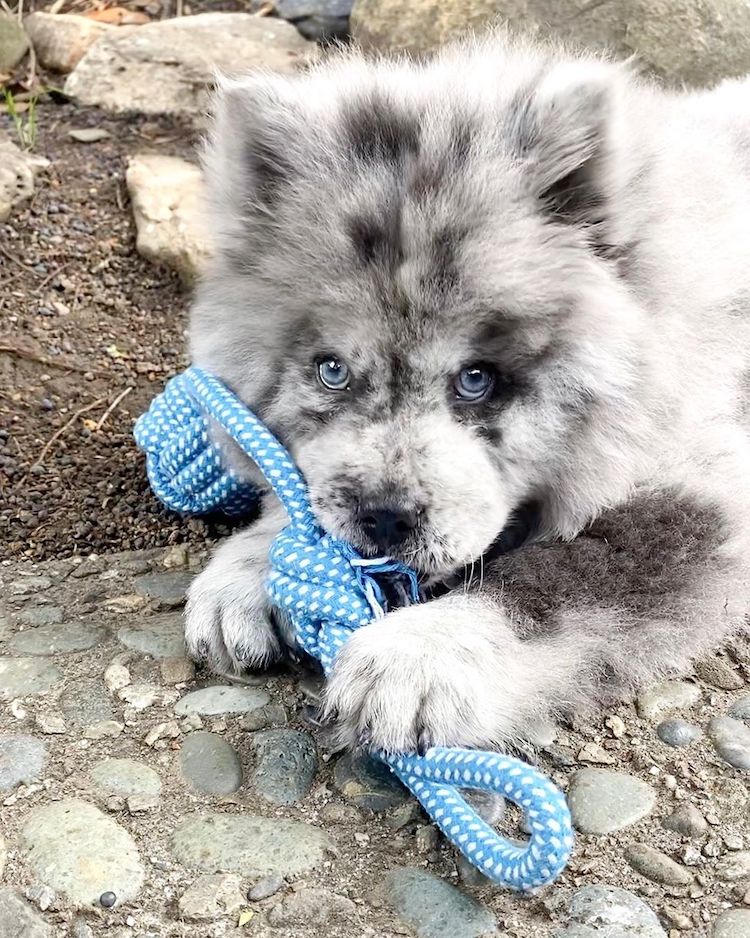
[(89, 333)]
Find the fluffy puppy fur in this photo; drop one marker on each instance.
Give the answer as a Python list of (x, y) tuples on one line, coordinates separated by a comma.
[(559, 225)]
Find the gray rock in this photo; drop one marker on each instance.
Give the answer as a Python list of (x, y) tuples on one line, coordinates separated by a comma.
[(34, 616), (272, 714), (657, 866), (718, 673), (609, 912), (176, 670), (734, 923), (367, 783), (85, 703), (602, 801), (18, 172), (731, 740), (740, 709), (434, 908), (734, 867), (3, 855), (209, 764), (686, 820), (168, 589), (22, 760), (26, 585), (18, 915), (179, 57), (681, 40), (320, 20), (125, 777), (78, 851), (250, 845), (220, 698), (14, 43), (268, 886), (287, 762), (677, 733), (161, 636), (313, 907), (60, 41), (89, 134), (21, 677), (209, 897), (50, 640), (666, 697)]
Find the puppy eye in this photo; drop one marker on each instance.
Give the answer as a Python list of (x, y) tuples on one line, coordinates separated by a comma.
[(474, 383), (333, 374)]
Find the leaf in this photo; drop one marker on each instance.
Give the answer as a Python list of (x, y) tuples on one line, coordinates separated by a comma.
[(245, 917), (119, 16)]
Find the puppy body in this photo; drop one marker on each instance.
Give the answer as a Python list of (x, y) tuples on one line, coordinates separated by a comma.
[(581, 237)]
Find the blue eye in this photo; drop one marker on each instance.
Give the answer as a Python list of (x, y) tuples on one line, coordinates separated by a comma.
[(474, 383), (333, 374)]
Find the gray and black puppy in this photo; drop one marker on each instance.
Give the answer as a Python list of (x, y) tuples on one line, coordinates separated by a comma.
[(497, 305)]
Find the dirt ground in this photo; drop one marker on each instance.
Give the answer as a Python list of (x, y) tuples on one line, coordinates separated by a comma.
[(89, 332)]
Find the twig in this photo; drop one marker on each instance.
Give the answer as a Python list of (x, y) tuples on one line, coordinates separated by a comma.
[(57, 6), (66, 426), (15, 260), (52, 276), (108, 411), (49, 362)]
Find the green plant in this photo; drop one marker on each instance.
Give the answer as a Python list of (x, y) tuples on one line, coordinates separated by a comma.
[(24, 119)]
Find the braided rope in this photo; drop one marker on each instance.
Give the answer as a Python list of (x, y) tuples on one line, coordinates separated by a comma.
[(328, 590)]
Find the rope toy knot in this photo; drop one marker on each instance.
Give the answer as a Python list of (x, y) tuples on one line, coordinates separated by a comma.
[(329, 590)]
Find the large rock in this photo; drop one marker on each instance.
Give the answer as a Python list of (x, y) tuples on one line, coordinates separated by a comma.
[(18, 170), (694, 41), (60, 40), (166, 67), (165, 193), (13, 42)]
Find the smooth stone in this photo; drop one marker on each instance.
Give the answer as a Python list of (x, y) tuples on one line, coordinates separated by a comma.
[(220, 698), (21, 677), (718, 673), (22, 760), (686, 820), (18, 919), (210, 897), (125, 777), (287, 762), (266, 887), (89, 134), (209, 764), (61, 39), (666, 697), (610, 912), (85, 703), (273, 714), (434, 908), (50, 640), (14, 43), (169, 589), (657, 866), (313, 906), (734, 867), (78, 851), (250, 845), (677, 733), (602, 801), (731, 740), (160, 636), (34, 616), (367, 783), (740, 709), (734, 923)]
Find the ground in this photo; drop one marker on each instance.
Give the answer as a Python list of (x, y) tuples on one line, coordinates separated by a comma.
[(214, 822)]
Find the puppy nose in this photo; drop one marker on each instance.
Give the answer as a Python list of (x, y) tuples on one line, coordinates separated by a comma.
[(387, 527)]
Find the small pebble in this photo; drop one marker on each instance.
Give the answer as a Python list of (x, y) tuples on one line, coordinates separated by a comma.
[(107, 899), (741, 708), (677, 733), (268, 886), (717, 673), (734, 867), (731, 739), (657, 866)]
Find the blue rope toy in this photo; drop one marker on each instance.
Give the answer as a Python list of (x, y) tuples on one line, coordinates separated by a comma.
[(329, 590)]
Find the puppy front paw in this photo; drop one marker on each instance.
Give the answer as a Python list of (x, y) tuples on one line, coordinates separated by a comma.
[(228, 620), (419, 679)]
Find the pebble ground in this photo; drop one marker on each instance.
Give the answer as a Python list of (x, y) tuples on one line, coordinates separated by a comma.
[(140, 798)]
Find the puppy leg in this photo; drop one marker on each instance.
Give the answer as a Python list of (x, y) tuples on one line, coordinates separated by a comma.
[(229, 620)]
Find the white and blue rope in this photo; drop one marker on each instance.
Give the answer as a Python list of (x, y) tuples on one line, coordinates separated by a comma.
[(328, 590)]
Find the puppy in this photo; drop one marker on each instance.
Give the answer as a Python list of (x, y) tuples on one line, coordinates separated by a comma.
[(497, 305)]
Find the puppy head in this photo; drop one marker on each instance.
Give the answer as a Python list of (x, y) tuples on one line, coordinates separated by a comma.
[(412, 289)]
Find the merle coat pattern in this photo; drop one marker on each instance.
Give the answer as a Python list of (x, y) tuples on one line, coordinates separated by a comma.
[(575, 240)]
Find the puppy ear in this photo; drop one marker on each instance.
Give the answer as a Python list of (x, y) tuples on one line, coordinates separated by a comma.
[(248, 157), (564, 134)]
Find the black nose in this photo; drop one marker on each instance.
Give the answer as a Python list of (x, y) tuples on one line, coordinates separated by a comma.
[(387, 527)]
